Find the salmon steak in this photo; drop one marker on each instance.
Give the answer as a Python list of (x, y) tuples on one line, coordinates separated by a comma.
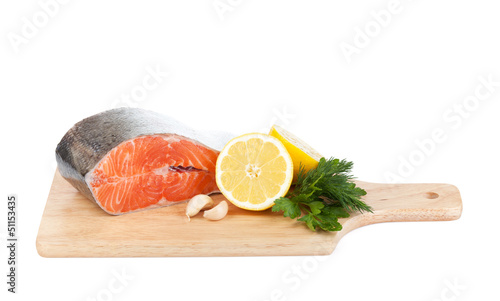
[(130, 159)]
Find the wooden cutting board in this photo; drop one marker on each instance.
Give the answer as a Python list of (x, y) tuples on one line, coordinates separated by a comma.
[(73, 226)]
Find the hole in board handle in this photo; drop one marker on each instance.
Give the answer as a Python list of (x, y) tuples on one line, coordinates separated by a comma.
[(431, 195)]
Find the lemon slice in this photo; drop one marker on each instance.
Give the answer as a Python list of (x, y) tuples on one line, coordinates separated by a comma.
[(300, 151), (253, 170)]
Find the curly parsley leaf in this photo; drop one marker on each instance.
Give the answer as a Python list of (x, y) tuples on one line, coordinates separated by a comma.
[(290, 208), (316, 207)]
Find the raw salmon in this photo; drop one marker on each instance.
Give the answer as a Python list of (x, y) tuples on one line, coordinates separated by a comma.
[(131, 159)]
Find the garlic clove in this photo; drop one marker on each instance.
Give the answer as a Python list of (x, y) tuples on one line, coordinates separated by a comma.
[(197, 203), (217, 213)]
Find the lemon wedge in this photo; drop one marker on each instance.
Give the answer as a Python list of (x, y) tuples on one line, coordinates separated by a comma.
[(253, 170), (300, 151)]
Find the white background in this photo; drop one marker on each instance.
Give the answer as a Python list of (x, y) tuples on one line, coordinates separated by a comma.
[(265, 62)]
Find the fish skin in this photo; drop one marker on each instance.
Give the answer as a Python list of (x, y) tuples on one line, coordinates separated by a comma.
[(88, 141)]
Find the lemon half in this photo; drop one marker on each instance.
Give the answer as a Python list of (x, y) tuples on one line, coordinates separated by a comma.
[(253, 170), (300, 151)]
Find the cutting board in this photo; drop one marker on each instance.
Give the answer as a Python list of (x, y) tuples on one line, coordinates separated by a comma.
[(73, 226)]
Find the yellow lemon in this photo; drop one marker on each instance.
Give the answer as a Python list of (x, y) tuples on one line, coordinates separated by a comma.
[(300, 151), (253, 170)]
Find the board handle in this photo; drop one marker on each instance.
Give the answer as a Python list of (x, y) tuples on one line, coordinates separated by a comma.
[(409, 202)]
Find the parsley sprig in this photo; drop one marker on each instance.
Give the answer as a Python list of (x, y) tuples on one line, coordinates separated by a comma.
[(323, 195)]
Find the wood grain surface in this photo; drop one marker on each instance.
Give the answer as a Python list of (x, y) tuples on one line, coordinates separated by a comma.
[(73, 226)]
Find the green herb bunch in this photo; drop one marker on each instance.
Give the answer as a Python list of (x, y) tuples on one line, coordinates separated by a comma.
[(323, 195)]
